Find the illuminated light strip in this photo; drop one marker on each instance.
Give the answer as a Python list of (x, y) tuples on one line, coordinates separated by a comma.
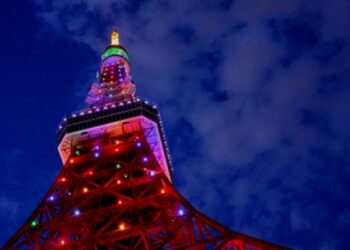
[(114, 51)]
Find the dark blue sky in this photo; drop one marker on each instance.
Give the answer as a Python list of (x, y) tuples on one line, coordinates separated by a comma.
[(255, 98)]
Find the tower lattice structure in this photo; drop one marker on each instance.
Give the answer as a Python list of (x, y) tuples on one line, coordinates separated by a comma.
[(115, 188)]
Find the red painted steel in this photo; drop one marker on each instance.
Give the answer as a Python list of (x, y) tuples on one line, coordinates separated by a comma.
[(121, 200)]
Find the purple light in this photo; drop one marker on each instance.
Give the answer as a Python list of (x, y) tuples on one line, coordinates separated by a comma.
[(97, 147), (138, 144), (181, 212), (52, 198), (76, 212), (145, 159)]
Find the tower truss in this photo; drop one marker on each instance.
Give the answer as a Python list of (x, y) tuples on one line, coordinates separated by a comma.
[(115, 188)]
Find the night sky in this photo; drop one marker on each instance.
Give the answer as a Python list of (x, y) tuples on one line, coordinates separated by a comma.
[(254, 96)]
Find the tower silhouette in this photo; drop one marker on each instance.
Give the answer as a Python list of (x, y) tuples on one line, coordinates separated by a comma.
[(115, 188)]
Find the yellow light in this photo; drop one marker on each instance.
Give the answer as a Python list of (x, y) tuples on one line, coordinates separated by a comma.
[(71, 161), (115, 38), (121, 226), (85, 190), (162, 191)]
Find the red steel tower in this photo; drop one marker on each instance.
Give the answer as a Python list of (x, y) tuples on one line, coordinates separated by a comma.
[(115, 188)]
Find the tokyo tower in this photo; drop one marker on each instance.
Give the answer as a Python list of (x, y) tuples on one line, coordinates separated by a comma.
[(115, 189)]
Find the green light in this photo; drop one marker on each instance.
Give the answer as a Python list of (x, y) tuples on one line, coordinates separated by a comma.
[(34, 223), (77, 152), (115, 51), (118, 166)]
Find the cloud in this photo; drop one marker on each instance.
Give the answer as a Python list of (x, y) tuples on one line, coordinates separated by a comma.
[(254, 97)]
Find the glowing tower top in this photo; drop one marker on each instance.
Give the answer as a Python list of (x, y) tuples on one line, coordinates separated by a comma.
[(114, 81)]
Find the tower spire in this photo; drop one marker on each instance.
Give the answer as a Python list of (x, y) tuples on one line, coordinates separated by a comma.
[(114, 82), (115, 37)]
